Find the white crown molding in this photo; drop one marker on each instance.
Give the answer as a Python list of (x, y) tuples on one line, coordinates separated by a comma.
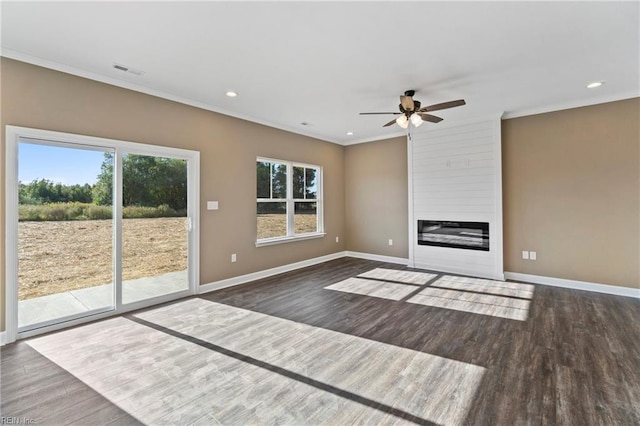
[(45, 63), (376, 138), (571, 105), (445, 125), (575, 285), (496, 116), (244, 279), (23, 57)]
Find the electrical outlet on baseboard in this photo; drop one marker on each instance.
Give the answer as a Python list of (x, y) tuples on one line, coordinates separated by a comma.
[(390, 242), (525, 255), (532, 255), (234, 258), (337, 239)]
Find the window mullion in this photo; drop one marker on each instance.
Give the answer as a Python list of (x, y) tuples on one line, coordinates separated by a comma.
[(271, 180), (319, 201), (290, 203)]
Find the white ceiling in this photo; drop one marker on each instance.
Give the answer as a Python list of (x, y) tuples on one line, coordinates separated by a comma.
[(324, 62)]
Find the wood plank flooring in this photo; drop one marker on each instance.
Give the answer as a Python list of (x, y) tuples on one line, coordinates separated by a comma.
[(346, 342)]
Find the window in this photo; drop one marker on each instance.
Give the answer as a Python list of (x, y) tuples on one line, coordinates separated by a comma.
[(289, 201)]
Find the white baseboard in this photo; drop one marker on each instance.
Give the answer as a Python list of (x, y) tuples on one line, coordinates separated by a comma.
[(3, 338), (243, 279), (377, 257), (536, 279), (576, 285)]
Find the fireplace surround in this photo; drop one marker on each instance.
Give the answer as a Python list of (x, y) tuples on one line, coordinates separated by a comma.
[(455, 198)]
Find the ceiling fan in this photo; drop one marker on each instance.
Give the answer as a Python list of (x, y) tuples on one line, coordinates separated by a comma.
[(410, 111)]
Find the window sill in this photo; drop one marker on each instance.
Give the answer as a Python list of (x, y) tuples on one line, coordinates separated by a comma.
[(281, 240)]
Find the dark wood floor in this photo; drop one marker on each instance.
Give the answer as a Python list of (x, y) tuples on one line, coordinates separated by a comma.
[(575, 360)]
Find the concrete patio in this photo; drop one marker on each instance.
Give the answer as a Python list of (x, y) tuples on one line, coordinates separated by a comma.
[(45, 308)]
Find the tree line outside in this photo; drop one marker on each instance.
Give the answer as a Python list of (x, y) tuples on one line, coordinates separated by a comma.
[(152, 187), (272, 184)]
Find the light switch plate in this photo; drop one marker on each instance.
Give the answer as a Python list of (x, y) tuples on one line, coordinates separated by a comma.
[(525, 255), (212, 205)]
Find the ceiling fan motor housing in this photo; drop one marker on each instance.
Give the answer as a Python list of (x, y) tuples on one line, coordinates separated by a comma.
[(416, 106)]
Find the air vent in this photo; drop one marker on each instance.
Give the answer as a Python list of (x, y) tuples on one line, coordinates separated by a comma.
[(125, 68)]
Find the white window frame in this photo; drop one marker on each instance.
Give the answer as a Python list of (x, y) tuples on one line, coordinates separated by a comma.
[(47, 137), (290, 202)]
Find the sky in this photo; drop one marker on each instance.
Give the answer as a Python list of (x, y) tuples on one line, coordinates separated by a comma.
[(68, 166)]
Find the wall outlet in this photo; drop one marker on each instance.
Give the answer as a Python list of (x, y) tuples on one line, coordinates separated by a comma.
[(390, 242), (525, 255), (233, 258), (532, 255), (337, 239)]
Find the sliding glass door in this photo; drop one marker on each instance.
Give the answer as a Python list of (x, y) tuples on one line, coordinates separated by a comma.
[(155, 227), (95, 227)]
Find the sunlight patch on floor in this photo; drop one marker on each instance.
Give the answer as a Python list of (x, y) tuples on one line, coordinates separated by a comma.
[(407, 277), (200, 362), (502, 288), (384, 283), (374, 288), (466, 294), (478, 296)]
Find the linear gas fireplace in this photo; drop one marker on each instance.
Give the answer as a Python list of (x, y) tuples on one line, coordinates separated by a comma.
[(462, 235)]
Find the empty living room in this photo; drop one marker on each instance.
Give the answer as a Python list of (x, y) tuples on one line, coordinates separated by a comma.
[(320, 213)]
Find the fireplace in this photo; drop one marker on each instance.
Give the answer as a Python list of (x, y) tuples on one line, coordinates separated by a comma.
[(461, 235)]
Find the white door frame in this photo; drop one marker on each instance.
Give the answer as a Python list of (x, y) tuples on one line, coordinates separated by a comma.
[(13, 135)]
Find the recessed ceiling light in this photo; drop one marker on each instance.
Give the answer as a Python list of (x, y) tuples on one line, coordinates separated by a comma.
[(349, 133), (595, 84), (231, 94)]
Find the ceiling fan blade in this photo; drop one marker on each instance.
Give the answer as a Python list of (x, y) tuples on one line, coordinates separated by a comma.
[(375, 113), (407, 102), (443, 105), (430, 118), (390, 123)]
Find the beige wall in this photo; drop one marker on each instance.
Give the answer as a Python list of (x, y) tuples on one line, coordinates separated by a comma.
[(571, 192), (571, 178), (376, 197), (36, 97)]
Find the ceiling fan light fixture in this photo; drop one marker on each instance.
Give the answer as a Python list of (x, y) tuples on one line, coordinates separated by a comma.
[(416, 120), (403, 121), (412, 112)]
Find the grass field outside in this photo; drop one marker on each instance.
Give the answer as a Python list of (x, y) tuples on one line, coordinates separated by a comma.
[(59, 256), (88, 211), (275, 225)]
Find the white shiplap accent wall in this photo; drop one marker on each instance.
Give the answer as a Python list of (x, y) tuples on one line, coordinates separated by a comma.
[(455, 174)]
